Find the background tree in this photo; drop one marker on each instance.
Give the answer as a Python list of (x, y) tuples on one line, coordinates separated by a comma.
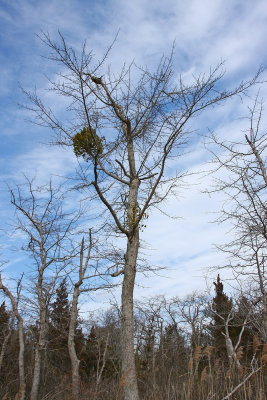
[(128, 125), (46, 229), (244, 183), (222, 306), (6, 324), (15, 309), (57, 349), (89, 278)]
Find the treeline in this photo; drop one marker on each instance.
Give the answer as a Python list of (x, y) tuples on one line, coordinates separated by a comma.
[(193, 348)]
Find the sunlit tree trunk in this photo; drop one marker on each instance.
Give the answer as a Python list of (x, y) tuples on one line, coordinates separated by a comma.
[(39, 352), (75, 362), (129, 380)]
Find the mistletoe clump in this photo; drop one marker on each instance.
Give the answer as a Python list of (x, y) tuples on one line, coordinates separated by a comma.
[(87, 143)]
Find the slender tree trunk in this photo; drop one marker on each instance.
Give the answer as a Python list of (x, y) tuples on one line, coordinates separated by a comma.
[(22, 386), (40, 346), (129, 379), (75, 362), (36, 374), (231, 350), (104, 359)]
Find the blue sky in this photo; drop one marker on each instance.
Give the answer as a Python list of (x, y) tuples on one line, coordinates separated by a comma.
[(205, 32)]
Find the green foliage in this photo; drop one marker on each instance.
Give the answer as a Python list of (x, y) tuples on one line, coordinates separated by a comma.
[(58, 331), (60, 313), (87, 144)]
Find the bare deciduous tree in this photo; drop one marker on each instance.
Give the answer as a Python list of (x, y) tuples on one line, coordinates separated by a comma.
[(230, 347), (46, 228), (126, 127), (86, 273), (245, 208)]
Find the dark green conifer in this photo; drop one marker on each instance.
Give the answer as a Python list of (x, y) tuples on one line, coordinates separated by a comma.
[(222, 305), (58, 353)]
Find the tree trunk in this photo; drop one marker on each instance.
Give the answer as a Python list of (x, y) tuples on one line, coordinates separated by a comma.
[(75, 362), (231, 353), (22, 386), (129, 379), (40, 346)]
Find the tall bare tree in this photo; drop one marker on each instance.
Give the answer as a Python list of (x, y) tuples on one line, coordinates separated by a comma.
[(245, 186), (41, 218), (126, 127)]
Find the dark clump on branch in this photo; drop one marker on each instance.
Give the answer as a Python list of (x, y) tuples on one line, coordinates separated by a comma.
[(87, 143), (96, 80)]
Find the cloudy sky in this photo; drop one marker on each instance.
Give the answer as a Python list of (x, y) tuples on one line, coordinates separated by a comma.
[(204, 32)]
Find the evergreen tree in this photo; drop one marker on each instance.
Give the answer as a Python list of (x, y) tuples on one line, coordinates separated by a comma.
[(58, 353), (90, 354), (222, 306), (4, 321)]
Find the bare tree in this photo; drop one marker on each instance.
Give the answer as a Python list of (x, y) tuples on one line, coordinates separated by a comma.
[(230, 347), (86, 274), (191, 314), (14, 302), (245, 208), (126, 126), (46, 228), (75, 362)]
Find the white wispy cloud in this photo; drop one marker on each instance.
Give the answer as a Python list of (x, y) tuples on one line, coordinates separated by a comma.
[(204, 32)]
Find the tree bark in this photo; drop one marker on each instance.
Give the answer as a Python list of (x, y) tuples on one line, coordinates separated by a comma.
[(129, 379), (75, 362), (22, 386), (39, 349)]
